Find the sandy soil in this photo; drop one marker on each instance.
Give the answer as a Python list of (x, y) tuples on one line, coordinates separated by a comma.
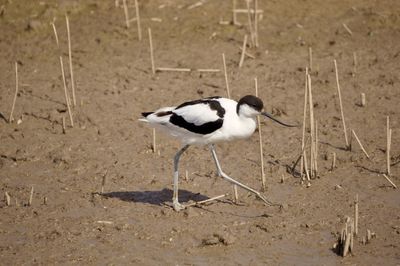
[(133, 223)]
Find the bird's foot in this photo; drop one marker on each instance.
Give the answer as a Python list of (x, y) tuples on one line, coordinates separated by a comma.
[(178, 206)]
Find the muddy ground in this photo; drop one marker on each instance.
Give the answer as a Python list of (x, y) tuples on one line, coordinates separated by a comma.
[(133, 223)]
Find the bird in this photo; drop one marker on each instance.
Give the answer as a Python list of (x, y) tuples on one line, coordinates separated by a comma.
[(208, 121)]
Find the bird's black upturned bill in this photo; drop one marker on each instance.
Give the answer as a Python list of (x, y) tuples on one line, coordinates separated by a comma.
[(276, 120)]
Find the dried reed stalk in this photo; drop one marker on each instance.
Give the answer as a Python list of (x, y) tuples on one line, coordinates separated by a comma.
[(173, 69), (310, 59), (154, 141), (356, 215), (316, 149), (390, 181), (243, 51), (234, 15), (153, 68), (304, 125), (341, 105), (206, 201), (263, 179), (15, 94), (306, 168), (347, 29), (255, 23), (139, 28), (247, 53), (7, 198), (235, 194), (363, 101), (70, 61), (63, 125), (226, 76), (312, 127), (67, 100), (250, 24), (388, 140), (30, 197), (333, 161), (241, 10), (55, 34), (210, 70), (126, 14), (359, 143)]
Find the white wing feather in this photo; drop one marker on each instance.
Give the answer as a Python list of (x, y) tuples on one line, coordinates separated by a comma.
[(197, 114)]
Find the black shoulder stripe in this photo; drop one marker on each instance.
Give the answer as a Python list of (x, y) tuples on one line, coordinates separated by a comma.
[(203, 129), (214, 105), (146, 114), (160, 114)]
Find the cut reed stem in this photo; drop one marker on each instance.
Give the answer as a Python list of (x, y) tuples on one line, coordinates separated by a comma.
[(310, 59), (306, 168), (206, 201), (247, 53), (245, 11), (11, 118), (234, 16), (390, 181), (251, 30), (312, 127), (316, 150), (263, 179), (30, 197), (7, 198), (243, 51), (139, 28), (66, 92), (256, 23), (333, 161), (154, 141), (356, 215), (210, 70), (55, 34), (347, 29), (363, 101), (126, 14), (341, 105), (70, 61), (304, 125), (153, 68), (359, 143), (388, 140), (226, 76), (235, 194), (63, 125), (172, 69)]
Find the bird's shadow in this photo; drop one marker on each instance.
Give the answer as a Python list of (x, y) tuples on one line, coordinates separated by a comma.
[(155, 197)]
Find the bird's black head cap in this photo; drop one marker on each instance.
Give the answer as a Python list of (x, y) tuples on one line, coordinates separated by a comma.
[(251, 101)]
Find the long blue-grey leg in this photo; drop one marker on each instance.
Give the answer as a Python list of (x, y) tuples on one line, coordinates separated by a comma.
[(230, 179), (175, 201)]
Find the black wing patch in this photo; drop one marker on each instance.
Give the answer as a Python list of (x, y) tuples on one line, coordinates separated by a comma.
[(203, 129)]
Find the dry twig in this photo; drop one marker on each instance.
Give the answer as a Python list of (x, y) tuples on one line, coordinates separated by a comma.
[(15, 95), (341, 105)]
